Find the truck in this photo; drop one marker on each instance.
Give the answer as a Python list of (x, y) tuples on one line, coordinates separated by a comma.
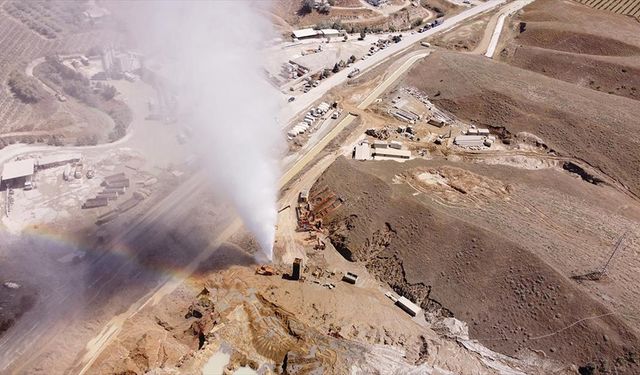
[(425, 44), (353, 73)]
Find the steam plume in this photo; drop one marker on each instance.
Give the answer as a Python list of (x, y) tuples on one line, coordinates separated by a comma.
[(214, 49)]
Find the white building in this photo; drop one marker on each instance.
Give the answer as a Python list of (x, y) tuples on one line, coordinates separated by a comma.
[(18, 173), (362, 151), (329, 33), (389, 153), (469, 140), (305, 33)]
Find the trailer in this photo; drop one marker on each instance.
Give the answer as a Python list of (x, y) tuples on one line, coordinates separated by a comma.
[(95, 202), (107, 196)]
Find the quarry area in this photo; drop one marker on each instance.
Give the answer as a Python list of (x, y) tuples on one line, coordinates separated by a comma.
[(320, 187)]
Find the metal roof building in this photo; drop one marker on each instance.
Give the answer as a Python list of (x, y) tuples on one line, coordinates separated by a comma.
[(17, 169), (362, 151), (469, 140), (390, 154), (330, 32), (305, 33)]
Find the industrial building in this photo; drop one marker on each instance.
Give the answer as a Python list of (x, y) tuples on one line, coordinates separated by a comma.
[(362, 151), (379, 150), (408, 306), (436, 122), (304, 33), (18, 174), (389, 153), (474, 140), (330, 33), (406, 115)]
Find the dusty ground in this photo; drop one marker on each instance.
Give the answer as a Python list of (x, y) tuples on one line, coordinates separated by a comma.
[(467, 37), (577, 44), (435, 248)]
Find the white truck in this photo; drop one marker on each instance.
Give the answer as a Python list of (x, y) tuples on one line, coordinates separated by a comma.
[(354, 73)]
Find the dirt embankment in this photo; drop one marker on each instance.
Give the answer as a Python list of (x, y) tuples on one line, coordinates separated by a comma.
[(512, 300), (600, 129), (577, 44)]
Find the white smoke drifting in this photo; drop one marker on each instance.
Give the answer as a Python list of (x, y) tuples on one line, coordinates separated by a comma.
[(214, 49)]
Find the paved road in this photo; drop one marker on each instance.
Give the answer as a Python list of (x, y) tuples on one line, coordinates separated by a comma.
[(504, 13), (303, 102)]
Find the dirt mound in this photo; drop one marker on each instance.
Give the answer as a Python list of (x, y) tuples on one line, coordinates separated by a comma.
[(512, 300), (575, 42), (619, 76), (454, 184), (598, 128)]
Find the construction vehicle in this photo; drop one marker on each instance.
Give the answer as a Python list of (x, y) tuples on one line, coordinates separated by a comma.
[(266, 270)]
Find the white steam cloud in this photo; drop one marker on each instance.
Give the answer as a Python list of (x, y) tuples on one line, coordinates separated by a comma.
[(215, 61)]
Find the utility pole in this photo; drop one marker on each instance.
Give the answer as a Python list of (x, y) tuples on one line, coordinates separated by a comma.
[(613, 253)]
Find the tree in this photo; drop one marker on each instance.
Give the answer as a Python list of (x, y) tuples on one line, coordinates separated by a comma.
[(345, 38), (25, 88), (352, 59), (336, 68), (324, 9), (306, 7), (109, 92), (362, 35)]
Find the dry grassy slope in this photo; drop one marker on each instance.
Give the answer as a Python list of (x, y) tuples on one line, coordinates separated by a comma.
[(612, 75), (601, 129), (507, 294), (578, 44)]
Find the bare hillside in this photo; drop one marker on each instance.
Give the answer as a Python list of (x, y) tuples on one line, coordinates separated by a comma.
[(512, 299), (600, 129), (577, 44)]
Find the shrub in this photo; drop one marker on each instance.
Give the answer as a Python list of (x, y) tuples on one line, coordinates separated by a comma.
[(24, 88)]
